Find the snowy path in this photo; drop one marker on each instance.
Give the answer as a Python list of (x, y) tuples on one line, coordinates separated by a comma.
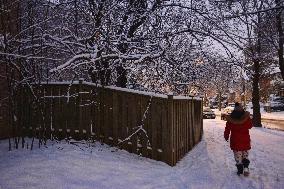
[(209, 165)]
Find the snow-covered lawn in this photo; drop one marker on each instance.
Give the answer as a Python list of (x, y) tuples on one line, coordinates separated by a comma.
[(273, 115), (264, 114), (209, 165)]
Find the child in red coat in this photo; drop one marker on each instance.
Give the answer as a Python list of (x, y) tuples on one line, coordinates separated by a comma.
[(238, 125)]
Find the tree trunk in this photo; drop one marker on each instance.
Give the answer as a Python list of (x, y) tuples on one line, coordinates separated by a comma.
[(220, 101), (255, 79), (141, 6), (280, 39), (104, 72), (121, 76), (255, 95), (121, 80)]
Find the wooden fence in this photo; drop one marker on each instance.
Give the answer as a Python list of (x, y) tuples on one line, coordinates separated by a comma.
[(160, 127)]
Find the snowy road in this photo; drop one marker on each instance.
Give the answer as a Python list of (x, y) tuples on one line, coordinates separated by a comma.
[(209, 165)]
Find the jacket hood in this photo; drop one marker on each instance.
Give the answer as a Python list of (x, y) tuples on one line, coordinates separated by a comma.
[(238, 121)]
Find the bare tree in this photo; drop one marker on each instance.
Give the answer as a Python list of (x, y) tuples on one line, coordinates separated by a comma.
[(249, 15)]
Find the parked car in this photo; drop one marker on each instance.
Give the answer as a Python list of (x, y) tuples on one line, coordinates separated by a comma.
[(226, 112), (208, 113), (277, 104)]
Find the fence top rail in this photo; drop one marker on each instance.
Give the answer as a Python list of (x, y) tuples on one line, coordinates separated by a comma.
[(151, 94)]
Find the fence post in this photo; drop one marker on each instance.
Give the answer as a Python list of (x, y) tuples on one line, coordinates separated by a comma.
[(171, 137)]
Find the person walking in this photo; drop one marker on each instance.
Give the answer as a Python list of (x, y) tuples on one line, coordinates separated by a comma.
[(237, 127)]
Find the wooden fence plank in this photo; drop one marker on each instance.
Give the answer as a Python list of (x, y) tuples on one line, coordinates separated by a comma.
[(105, 116), (133, 122), (170, 132), (120, 118), (97, 110), (24, 110), (124, 121), (144, 139), (55, 115), (180, 130), (47, 110), (154, 127), (87, 112), (187, 126), (108, 122), (165, 133), (201, 105), (139, 117), (184, 128), (64, 113), (110, 117), (100, 115), (115, 115), (130, 127), (72, 111), (176, 124), (79, 108), (160, 129)]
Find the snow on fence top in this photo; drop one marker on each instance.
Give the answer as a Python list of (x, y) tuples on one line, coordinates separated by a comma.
[(123, 89)]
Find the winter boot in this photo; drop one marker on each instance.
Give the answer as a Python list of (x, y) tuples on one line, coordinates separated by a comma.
[(240, 168), (246, 169)]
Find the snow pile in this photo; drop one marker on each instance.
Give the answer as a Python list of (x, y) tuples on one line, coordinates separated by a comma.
[(209, 165)]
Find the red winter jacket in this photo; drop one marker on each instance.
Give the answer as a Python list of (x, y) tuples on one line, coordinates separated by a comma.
[(239, 129)]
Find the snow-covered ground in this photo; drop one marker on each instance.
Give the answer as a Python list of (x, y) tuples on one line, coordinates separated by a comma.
[(210, 165)]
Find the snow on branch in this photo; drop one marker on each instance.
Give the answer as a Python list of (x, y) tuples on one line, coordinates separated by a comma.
[(256, 12), (27, 56), (73, 59), (92, 58)]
